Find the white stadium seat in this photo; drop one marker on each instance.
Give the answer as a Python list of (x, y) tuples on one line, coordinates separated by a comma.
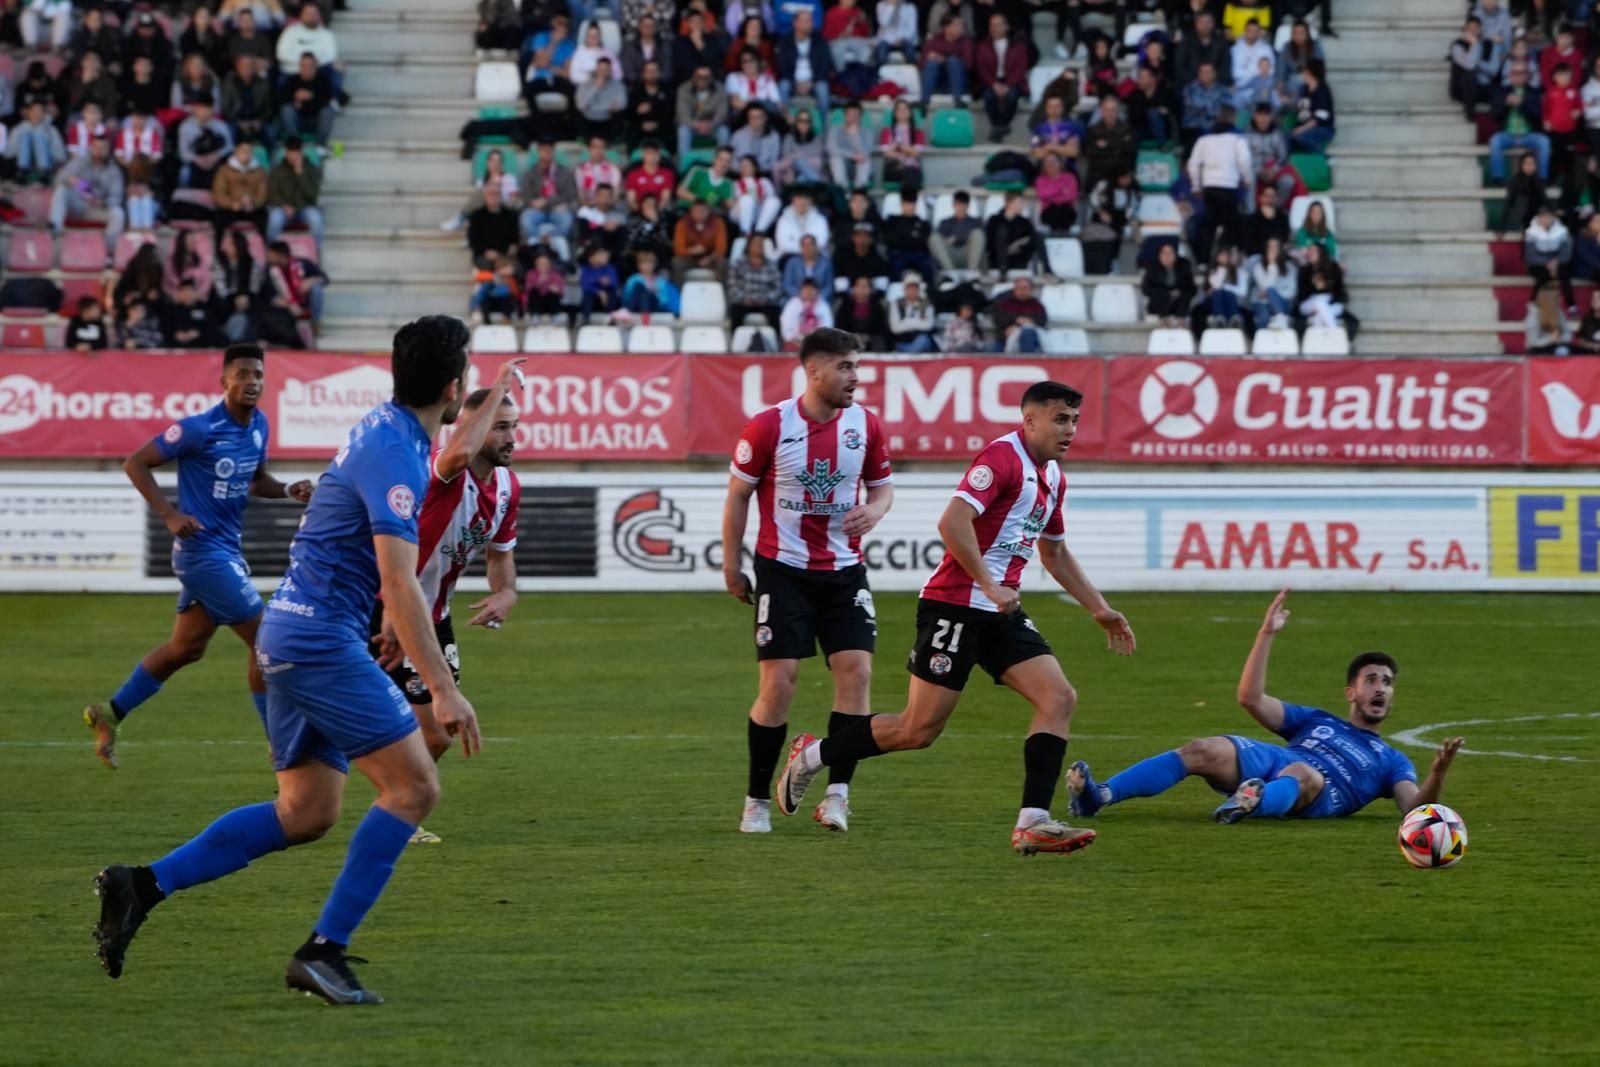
[(891, 207), (1041, 76), (703, 302), (1136, 31), (547, 339), (651, 339), (1158, 213), (1068, 342), (1170, 341), (498, 83), (1115, 302), (1223, 341), (1280, 342), (1065, 256), (944, 206), (712, 339), (1063, 302), (610, 39), (494, 339), (742, 337), (905, 75), (1302, 204), (599, 339), (1325, 341)]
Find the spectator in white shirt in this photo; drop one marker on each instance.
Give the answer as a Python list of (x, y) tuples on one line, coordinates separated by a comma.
[(897, 30), (1590, 95), (587, 56), (1248, 51), (310, 35), (798, 220), (1219, 168), (596, 171)]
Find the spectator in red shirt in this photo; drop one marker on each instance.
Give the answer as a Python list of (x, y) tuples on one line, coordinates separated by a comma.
[(1565, 50), (848, 32), (1002, 63), (649, 177), (947, 60), (1563, 117)]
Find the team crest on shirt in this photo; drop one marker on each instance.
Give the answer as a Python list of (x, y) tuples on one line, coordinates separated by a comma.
[(939, 663), (742, 451), (821, 480), (225, 467), (402, 501), (980, 477), (174, 432), (852, 439), (1322, 733)]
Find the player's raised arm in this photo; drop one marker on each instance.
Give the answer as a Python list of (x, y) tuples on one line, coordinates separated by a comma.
[(961, 541), (473, 426), (1408, 795), (138, 468), (406, 609), (1266, 710), (1068, 573)]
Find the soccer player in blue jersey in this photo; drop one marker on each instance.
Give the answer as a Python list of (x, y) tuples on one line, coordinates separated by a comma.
[(1330, 766), (329, 703), (222, 462)]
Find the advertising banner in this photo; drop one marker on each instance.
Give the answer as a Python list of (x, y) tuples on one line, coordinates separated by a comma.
[(1545, 532), (1412, 412), (931, 408), (1564, 411)]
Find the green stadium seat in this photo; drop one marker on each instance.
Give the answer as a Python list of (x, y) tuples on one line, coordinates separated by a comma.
[(1156, 169), (1494, 213), (1313, 168), (999, 187), (951, 129)]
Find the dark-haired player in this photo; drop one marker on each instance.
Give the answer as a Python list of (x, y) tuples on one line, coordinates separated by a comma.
[(472, 501), (329, 703), (1330, 767), (806, 461), (222, 462), (1007, 507)]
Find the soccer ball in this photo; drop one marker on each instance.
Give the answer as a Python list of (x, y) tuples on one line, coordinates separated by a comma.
[(1433, 836)]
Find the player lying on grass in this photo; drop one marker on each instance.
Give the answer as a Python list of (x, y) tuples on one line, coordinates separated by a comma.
[(472, 500), (970, 615), (222, 462), (1330, 767)]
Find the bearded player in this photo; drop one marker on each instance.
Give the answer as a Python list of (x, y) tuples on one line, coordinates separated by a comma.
[(1330, 767), (1008, 506), (806, 462), (222, 463), (471, 501)]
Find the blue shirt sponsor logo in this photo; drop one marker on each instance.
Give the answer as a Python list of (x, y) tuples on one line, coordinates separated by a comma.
[(1358, 764)]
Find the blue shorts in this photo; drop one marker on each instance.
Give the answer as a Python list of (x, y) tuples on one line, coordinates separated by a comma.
[(1258, 759), (220, 584), (332, 704)]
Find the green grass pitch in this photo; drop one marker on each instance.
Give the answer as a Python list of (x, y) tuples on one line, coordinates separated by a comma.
[(593, 902)]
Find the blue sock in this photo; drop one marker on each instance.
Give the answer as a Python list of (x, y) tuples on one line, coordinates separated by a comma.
[(1147, 778), (374, 850), (227, 845), (260, 701), (140, 686), (1278, 798)]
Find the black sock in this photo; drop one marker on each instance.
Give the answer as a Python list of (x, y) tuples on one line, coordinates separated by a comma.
[(146, 888), (850, 744), (1042, 757), (318, 947), (841, 772), (766, 745), (117, 714)]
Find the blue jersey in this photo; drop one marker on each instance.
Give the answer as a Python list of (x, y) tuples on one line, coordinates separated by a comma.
[(1359, 766), (373, 486), (217, 460)]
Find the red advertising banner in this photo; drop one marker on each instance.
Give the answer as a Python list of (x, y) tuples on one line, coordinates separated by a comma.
[(572, 407), (1414, 412), (1564, 411), (931, 408)]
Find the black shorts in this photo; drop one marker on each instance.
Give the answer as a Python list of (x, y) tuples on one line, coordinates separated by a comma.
[(952, 639), (796, 610), (405, 676)]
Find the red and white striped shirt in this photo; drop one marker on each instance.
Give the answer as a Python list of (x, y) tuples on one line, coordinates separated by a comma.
[(146, 142), (808, 475), (1017, 502), (458, 518)]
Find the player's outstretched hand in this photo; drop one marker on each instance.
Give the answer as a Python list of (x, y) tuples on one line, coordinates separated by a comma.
[(1119, 635), (860, 520), (492, 610), (181, 525), (739, 586), (510, 375), (454, 712), (1445, 753), (1006, 600), (387, 644), (301, 490), (1277, 615)]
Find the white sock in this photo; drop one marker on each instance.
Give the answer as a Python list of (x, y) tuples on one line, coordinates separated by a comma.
[(839, 789), (1030, 816), (767, 802), (811, 757)]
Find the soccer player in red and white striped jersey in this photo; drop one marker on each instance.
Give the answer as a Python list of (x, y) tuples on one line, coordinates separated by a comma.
[(807, 462), (1007, 508), (471, 501)]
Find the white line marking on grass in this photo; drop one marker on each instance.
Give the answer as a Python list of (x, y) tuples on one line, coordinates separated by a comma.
[(1414, 736), (176, 741)]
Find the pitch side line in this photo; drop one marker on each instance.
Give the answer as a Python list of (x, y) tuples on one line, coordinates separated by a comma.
[(1414, 736), (516, 740)]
